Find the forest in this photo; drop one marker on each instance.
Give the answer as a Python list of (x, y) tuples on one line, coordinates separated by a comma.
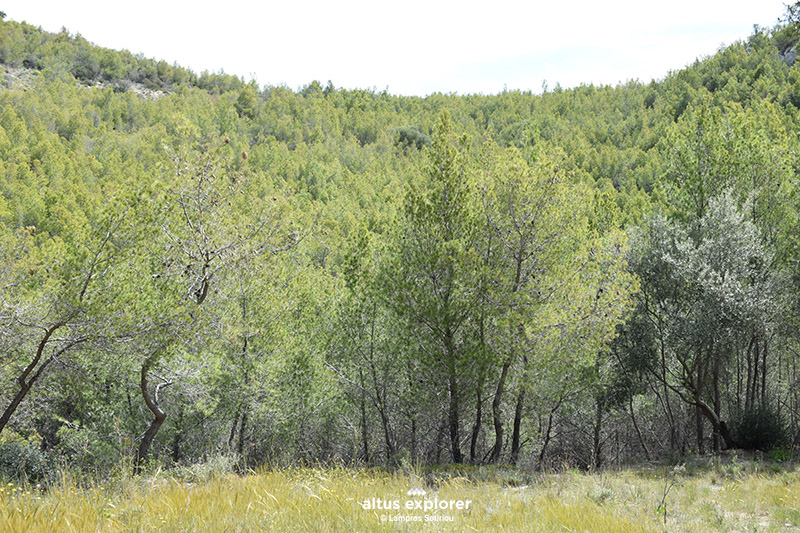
[(194, 268)]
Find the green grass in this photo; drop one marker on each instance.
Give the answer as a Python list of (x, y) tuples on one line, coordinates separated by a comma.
[(717, 498)]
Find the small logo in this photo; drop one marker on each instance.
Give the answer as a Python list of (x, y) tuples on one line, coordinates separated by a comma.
[(416, 491)]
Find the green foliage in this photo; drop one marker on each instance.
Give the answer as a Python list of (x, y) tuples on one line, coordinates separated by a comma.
[(24, 462), (246, 103), (378, 273), (761, 428), (408, 136)]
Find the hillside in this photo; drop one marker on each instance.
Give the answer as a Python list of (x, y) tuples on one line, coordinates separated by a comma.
[(195, 266)]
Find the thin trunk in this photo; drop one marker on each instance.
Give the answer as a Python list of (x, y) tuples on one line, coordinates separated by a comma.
[(241, 449), (455, 445), (439, 439), (414, 453), (387, 435), (453, 414), (476, 429), (364, 429), (515, 435), (25, 384), (176, 441), (749, 376), (638, 431), (232, 434), (754, 387), (18, 397), (497, 414), (412, 416), (497, 402), (715, 378), (699, 425), (764, 372), (379, 400), (518, 408), (540, 459), (738, 382), (158, 415), (668, 406), (597, 448)]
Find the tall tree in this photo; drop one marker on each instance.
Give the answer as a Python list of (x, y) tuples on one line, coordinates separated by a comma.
[(432, 276), (703, 283), (58, 295), (209, 221), (556, 265)]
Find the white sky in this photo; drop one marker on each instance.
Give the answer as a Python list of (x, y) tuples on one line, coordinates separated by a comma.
[(414, 47)]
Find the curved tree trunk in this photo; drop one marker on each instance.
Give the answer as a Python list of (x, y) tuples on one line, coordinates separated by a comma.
[(719, 425), (497, 414), (25, 384), (158, 415), (516, 434)]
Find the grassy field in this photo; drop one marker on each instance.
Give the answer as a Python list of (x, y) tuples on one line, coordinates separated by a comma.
[(735, 496)]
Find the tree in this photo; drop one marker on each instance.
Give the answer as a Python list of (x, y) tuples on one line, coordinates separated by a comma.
[(704, 283), (558, 285), (432, 274), (206, 225), (58, 295)]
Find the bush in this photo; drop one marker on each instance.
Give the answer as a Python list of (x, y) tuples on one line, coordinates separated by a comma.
[(214, 467), (23, 462), (760, 428), (407, 136), (85, 450)]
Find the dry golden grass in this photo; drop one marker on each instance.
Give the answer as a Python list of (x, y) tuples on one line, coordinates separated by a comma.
[(323, 500)]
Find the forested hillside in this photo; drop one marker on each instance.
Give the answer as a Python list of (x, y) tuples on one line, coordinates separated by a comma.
[(194, 267)]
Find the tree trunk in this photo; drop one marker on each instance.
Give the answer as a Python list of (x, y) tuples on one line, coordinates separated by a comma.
[(749, 376), (147, 440), (387, 432), (412, 416), (26, 384), (638, 431), (515, 435), (476, 429), (715, 377), (764, 372), (719, 425), (18, 397), (673, 440), (241, 449), (597, 442), (699, 425), (453, 418), (176, 441), (543, 451), (364, 429), (439, 439), (158, 415), (232, 434), (497, 414)]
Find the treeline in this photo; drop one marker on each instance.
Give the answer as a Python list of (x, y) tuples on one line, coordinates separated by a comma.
[(593, 275)]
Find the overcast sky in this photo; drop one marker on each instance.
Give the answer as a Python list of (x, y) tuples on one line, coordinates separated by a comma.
[(414, 47)]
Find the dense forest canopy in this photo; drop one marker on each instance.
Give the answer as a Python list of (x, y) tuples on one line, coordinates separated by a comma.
[(192, 265)]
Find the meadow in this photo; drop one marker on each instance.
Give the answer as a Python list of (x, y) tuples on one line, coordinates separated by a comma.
[(707, 495)]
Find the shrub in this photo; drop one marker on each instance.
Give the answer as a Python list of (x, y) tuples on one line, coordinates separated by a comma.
[(407, 136), (760, 428), (21, 461)]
